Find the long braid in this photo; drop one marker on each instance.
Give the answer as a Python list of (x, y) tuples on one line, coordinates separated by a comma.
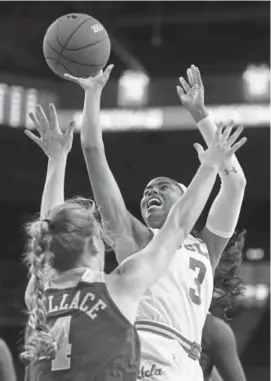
[(39, 343)]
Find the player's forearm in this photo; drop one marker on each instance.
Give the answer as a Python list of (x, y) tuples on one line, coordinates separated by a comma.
[(53, 193), (231, 173), (108, 197), (7, 371), (91, 132)]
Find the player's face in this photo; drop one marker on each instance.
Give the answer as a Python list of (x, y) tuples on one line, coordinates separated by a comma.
[(158, 198)]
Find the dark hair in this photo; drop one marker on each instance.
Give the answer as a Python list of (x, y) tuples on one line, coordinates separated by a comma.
[(55, 243), (226, 279)]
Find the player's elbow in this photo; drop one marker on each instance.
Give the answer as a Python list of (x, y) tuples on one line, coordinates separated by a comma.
[(90, 148)]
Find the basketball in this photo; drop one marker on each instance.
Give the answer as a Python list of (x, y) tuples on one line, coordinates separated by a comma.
[(76, 44)]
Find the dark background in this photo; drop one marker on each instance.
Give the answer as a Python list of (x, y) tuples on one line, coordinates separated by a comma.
[(163, 38)]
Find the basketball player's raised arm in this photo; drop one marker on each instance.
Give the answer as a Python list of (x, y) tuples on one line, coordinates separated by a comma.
[(117, 221), (56, 145), (145, 267), (225, 210)]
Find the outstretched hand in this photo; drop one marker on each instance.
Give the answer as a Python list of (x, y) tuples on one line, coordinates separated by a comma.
[(191, 93), (223, 146), (97, 82), (52, 140)]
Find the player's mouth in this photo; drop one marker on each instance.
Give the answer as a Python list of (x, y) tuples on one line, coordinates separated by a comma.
[(153, 203)]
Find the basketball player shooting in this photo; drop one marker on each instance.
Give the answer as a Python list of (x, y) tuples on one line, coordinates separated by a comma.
[(81, 323), (177, 305)]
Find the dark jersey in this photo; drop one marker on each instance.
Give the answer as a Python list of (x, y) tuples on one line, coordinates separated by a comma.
[(96, 342)]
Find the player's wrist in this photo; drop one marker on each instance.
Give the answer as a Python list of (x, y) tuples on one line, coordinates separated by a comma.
[(58, 158), (199, 113)]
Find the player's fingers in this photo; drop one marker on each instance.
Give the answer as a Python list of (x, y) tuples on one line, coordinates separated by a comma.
[(232, 139), (184, 84), (218, 133), (198, 147), (180, 92), (33, 137), (72, 78), (70, 128), (53, 117), (226, 133), (198, 76), (190, 77), (108, 70), (36, 122), (42, 118), (237, 146)]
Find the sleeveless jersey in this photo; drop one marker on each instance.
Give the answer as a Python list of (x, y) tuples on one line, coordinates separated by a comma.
[(182, 296), (96, 342)]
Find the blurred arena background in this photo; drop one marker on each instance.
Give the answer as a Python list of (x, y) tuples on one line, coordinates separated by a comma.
[(147, 132)]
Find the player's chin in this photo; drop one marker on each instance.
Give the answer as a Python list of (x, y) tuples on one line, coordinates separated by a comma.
[(155, 217)]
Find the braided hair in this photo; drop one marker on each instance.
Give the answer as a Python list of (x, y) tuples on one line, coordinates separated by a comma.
[(39, 343), (55, 244), (227, 284)]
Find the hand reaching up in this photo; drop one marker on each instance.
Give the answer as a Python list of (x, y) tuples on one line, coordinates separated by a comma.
[(223, 146), (52, 140)]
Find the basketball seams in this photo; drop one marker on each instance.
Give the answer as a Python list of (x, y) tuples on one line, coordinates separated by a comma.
[(69, 38), (60, 64), (81, 47), (69, 59)]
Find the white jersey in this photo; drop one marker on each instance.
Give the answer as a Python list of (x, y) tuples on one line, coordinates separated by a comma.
[(181, 298)]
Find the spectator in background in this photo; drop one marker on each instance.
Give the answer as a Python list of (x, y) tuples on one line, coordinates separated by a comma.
[(7, 371)]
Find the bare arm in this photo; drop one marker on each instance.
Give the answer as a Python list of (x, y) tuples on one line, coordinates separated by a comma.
[(224, 352), (116, 219), (7, 371), (53, 192), (215, 375), (225, 210), (56, 145)]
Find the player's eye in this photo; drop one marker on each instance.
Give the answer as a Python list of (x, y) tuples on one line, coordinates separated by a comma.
[(146, 192), (164, 187)]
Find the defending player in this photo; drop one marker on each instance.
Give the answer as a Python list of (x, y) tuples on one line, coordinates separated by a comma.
[(81, 323), (219, 348), (177, 305)]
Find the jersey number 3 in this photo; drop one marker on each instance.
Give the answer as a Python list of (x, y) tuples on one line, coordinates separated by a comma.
[(195, 293)]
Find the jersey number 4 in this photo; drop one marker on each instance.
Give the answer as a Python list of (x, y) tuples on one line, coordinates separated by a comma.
[(62, 361), (195, 293)]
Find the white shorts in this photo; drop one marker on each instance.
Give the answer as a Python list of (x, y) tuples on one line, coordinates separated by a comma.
[(164, 359)]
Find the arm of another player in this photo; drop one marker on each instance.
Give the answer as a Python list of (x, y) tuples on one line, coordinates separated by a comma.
[(7, 371), (215, 376), (56, 145), (144, 268), (225, 211), (224, 352), (117, 221)]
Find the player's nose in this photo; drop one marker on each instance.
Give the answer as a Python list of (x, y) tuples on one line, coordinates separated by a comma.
[(154, 191)]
